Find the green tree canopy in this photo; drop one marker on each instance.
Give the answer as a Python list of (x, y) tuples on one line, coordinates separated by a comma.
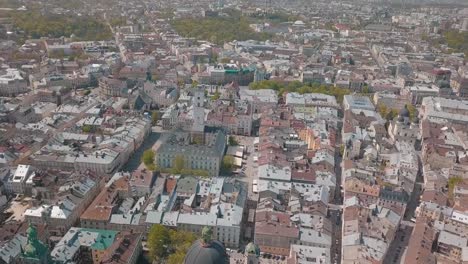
[(158, 242), (36, 25), (179, 164), (233, 141), (413, 112), (154, 117), (227, 164), (218, 29), (170, 245), (457, 41), (301, 88), (216, 96), (387, 113), (148, 159), (87, 129)]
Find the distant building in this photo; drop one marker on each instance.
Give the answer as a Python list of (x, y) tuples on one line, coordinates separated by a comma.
[(12, 83), (203, 152), (403, 129), (442, 110), (74, 199), (417, 93), (224, 74), (357, 102), (16, 183), (110, 86), (235, 118), (260, 99)]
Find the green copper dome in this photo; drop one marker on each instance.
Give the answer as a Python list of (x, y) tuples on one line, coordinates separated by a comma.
[(34, 249)]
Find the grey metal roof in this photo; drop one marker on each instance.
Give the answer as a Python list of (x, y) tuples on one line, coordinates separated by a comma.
[(215, 253)]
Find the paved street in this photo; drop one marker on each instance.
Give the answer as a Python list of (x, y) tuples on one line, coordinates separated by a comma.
[(399, 245), (336, 209), (250, 167), (152, 140)]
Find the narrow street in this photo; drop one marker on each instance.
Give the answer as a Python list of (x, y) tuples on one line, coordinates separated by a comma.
[(336, 209), (135, 159), (399, 245)]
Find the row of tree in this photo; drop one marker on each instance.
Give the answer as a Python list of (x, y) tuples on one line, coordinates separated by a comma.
[(178, 167), (301, 88), (217, 30), (457, 41), (391, 113), (36, 25)]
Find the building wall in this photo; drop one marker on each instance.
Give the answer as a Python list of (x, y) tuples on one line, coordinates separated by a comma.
[(274, 243), (13, 88), (229, 235)]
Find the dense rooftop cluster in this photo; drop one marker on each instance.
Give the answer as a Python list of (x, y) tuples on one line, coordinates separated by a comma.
[(291, 132)]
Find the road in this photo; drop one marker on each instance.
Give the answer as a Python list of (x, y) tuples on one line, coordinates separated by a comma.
[(248, 175), (250, 171), (336, 209), (135, 159), (399, 245)]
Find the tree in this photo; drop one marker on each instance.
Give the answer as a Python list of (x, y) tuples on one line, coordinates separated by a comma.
[(180, 83), (154, 117), (233, 141), (366, 89), (87, 129), (216, 96), (179, 164), (342, 150), (457, 41), (158, 242), (382, 109), (185, 172), (387, 113), (301, 88), (201, 173), (36, 25), (177, 257), (180, 238), (148, 159), (227, 164), (452, 183), (170, 245), (412, 111), (218, 29), (197, 141), (392, 114)]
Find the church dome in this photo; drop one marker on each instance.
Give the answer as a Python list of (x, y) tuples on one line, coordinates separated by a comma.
[(211, 253), (206, 250)]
